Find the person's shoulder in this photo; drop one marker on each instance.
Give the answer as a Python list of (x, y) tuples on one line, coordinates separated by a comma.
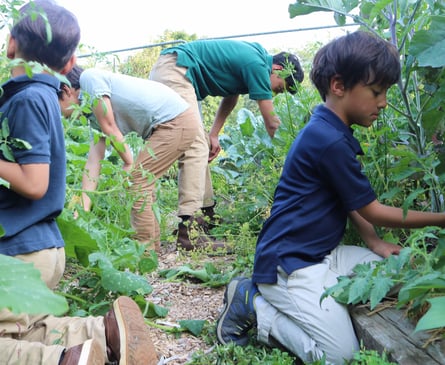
[(94, 72)]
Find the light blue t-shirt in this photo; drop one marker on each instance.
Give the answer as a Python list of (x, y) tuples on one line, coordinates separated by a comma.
[(138, 104)]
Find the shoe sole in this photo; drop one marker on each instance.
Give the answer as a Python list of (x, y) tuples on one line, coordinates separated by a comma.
[(136, 346), (229, 293), (92, 353)]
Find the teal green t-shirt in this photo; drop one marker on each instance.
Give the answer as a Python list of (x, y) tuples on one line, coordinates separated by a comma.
[(226, 67)]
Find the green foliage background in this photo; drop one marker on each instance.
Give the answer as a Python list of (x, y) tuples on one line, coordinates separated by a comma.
[(404, 159)]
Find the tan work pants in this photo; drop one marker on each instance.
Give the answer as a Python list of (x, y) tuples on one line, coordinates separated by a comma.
[(41, 340), (169, 143), (195, 185)]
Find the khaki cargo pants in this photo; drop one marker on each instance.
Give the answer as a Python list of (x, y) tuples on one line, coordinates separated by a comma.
[(40, 340)]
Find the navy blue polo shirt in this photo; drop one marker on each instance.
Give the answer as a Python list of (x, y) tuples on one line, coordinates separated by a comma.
[(321, 182), (31, 108)]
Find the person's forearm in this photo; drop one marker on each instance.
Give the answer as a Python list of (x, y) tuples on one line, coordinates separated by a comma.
[(392, 217), (365, 229), (271, 119), (30, 181), (91, 174), (125, 154)]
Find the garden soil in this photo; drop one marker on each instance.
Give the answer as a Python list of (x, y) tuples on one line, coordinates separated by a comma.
[(185, 300)]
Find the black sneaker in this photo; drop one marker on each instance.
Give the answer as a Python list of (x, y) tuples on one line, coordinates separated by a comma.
[(238, 315)]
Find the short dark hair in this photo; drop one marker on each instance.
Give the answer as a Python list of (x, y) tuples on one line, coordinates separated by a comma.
[(284, 59), (356, 57), (46, 33), (74, 76)]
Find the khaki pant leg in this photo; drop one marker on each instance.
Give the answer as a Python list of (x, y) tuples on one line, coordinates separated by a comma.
[(45, 341), (194, 181), (18, 352), (166, 145), (50, 263), (41, 339)]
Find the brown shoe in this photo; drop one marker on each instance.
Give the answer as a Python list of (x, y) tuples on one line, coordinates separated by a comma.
[(88, 353), (193, 234), (211, 217), (128, 339)]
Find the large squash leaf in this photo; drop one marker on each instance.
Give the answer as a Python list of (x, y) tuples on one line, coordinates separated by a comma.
[(23, 291)]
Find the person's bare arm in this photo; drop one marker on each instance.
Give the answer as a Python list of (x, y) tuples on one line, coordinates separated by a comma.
[(30, 181), (226, 106), (105, 117), (371, 238), (271, 120), (386, 216), (92, 171)]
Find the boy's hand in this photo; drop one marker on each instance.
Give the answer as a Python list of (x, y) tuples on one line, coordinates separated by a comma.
[(385, 249)]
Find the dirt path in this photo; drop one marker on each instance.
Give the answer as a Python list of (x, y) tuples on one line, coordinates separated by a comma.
[(186, 301)]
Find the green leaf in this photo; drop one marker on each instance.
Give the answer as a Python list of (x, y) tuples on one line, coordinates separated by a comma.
[(428, 45), (193, 326), (4, 148), (380, 288), (246, 127), (359, 290), (434, 317), (421, 286), (23, 291), (148, 265), (149, 309), (124, 282), (304, 7), (75, 236)]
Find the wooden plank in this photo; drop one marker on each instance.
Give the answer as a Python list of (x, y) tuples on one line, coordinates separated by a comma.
[(389, 330)]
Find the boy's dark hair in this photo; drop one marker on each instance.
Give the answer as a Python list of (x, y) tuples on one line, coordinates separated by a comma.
[(74, 76), (356, 57), (284, 59), (46, 33)]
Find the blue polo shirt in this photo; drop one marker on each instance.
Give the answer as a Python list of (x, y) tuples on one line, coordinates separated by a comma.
[(226, 67), (321, 182), (31, 108)]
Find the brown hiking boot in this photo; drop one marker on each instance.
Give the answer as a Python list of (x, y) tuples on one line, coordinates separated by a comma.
[(128, 339), (88, 353), (193, 234), (211, 218)]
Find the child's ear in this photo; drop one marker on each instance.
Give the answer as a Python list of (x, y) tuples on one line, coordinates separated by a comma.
[(12, 48), (65, 91), (337, 86)]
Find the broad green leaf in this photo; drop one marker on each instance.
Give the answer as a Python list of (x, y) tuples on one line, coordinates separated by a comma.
[(124, 282), (75, 236), (338, 291), (23, 291), (304, 7), (247, 127), (359, 290), (428, 45), (380, 288), (193, 326), (420, 286), (147, 265), (434, 317)]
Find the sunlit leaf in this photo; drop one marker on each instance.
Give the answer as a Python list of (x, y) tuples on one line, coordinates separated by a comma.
[(434, 317), (23, 291)]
